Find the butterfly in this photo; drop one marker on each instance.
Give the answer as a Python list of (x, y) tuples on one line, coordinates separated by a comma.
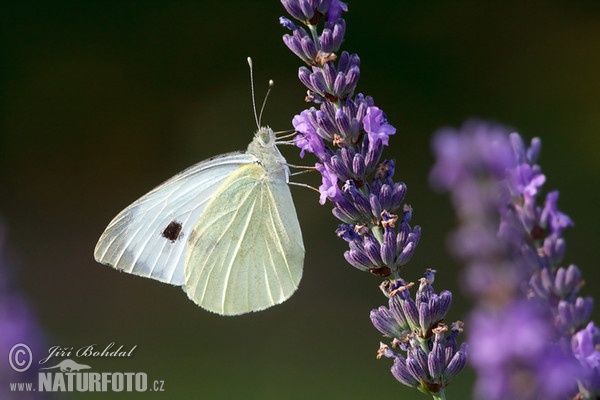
[(225, 229)]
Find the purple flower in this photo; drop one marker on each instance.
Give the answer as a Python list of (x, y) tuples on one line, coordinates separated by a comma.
[(585, 345), (551, 217), (428, 356), (514, 353), (308, 139), (335, 10), (377, 126), (586, 348), (329, 188), (347, 134), (528, 304)]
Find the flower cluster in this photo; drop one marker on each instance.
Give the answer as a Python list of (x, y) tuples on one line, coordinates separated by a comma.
[(433, 356), (529, 333), (347, 133)]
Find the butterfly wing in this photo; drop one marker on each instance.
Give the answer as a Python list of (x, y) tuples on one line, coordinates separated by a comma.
[(246, 251), (149, 238)]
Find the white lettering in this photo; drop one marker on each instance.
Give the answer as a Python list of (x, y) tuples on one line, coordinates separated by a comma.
[(88, 382)]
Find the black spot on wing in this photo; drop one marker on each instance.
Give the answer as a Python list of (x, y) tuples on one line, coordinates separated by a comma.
[(172, 231)]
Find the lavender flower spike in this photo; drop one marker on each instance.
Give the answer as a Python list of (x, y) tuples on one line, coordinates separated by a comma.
[(429, 356), (530, 337), (347, 133)]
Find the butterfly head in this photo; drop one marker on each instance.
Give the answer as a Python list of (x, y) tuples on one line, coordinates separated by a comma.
[(263, 147), (265, 136)]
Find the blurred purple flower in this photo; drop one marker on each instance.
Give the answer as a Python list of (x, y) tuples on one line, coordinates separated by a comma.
[(527, 304), (19, 326), (586, 348), (516, 355)]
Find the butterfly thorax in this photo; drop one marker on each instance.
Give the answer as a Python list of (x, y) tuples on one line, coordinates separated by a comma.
[(268, 156)]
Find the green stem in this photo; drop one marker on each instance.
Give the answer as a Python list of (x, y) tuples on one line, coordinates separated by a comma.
[(314, 34), (439, 395)]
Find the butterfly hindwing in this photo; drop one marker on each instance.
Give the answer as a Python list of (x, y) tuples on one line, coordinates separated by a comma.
[(246, 251), (149, 238)]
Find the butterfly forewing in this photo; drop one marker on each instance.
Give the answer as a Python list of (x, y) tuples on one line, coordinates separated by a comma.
[(246, 251), (149, 238)]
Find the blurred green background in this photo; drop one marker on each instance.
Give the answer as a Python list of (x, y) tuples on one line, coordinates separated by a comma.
[(101, 101)]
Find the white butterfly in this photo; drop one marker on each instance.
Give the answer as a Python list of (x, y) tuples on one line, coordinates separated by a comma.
[(225, 229)]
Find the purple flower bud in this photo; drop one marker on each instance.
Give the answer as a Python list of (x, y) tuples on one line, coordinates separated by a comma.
[(345, 211), (294, 9), (351, 81), (457, 363), (322, 6), (304, 77), (358, 199), (335, 10), (372, 250), (339, 86), (398, 314), (554, 249), (373, 153), (329, 73), (572, 315), (415, 368), (435, 364), (347, 155), (307, 9), (384, 321), (572, 280), (293, 43), (401, 373), (534, 150), (337, 165), (358, 166), (388, 247), (325, 128), (317, 83), (308, 47), (376, 208), (406, 254), (411, 313), (338, 30), (287, 23), (424, 318), (344, 123), (441, 305)]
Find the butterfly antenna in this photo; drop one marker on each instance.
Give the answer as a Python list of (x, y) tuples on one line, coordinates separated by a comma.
[(262, 108), (252, 88)]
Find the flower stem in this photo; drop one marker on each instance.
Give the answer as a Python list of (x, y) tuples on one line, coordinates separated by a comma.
[(441, 395)]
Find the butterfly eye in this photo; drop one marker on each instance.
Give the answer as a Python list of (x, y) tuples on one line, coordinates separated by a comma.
[(172, 231), (266, 136)]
